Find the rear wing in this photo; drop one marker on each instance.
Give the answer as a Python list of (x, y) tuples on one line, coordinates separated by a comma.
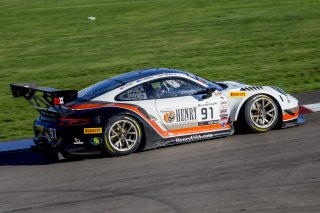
[(51, 102)]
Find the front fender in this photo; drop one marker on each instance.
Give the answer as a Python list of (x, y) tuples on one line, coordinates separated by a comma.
[(237, 102)]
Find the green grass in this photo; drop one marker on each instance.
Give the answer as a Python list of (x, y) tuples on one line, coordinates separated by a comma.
[(265, 42)]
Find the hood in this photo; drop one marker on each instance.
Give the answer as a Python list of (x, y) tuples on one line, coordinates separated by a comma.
[(238, 86), (232, 85)]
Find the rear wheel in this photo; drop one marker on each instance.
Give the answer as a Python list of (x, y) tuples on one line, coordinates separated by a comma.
[(261, 113), (122, 135)]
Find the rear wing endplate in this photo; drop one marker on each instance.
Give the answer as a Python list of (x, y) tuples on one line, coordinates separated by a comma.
[(52, 100)]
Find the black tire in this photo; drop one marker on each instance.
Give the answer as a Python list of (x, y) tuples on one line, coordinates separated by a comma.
[(122, 135), (261, 113)]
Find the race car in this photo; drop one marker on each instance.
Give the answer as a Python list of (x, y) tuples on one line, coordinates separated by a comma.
[(151, 108)]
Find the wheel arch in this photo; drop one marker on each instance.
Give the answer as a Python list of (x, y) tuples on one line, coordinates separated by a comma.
[(243, 104), (142, 126)]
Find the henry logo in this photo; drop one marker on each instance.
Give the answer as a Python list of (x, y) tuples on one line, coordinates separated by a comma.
[(169, 117), (58, 101), (96, 141), (186, 114)]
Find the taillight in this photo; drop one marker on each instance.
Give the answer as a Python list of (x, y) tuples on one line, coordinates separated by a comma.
[(73, 121)]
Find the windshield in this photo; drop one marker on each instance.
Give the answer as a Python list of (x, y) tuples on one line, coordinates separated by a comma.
[(98, 89)]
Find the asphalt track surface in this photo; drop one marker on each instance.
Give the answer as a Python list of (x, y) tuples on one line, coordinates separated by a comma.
[(277, 171)]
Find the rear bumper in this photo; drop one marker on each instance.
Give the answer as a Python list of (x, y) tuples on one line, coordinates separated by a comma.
[(45, 148), (42, 150)]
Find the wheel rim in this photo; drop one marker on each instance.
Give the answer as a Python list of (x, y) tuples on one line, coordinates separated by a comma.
[(123, 135), (263, 112)]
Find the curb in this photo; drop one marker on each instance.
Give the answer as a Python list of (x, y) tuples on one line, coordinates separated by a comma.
[(309, 108)]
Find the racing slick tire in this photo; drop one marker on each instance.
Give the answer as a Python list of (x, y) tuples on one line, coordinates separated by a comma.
[(122, 135), (261, 113)]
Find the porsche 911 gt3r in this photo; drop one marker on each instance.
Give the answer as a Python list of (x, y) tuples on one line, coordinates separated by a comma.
[(151, 108)]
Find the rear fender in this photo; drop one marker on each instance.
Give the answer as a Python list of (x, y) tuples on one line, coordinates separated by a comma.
[(149, 134)]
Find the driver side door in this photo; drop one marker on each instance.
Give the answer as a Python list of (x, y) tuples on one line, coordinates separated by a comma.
[(180, 104)]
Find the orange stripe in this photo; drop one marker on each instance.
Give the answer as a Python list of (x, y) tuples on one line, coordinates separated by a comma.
[(198, 129), (87, 106), (286, 116), (163, 133)]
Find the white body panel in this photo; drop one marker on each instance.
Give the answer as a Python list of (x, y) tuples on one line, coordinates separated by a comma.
[(199, 111), (285, 101), (224, 106)]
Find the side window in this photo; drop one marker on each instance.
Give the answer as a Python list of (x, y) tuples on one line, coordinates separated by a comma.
[(133, 94), (174, 87)]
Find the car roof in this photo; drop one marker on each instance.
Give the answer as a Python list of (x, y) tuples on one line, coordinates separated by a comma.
[(135, 75)]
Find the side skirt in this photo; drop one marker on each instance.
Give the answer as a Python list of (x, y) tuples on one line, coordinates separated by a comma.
[(189, 138)]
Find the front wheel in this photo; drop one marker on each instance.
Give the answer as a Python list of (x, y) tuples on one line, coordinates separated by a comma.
[(261, 113), (122, 135)]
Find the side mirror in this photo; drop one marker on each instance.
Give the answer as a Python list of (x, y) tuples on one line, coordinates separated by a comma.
[(208, 92)]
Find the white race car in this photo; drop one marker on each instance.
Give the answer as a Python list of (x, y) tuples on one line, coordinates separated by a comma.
[(151, 108)]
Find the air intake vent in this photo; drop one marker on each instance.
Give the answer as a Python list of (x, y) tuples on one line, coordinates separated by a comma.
[(253, 88)]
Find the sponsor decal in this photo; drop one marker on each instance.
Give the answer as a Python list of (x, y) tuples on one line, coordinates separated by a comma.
[(181, 115), (129, 84), (77, 141), (237, 94), (224, 115), (186, 114), (224, 103), (191, 75), (223, 111), (193, 138), (224, 118), (169, 117), (288, 100), (223, 124), (149, 77), (170, 74), (134, 93), (92, 130), (96, 141), (58, 101), (203, 123), (207, 104)]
